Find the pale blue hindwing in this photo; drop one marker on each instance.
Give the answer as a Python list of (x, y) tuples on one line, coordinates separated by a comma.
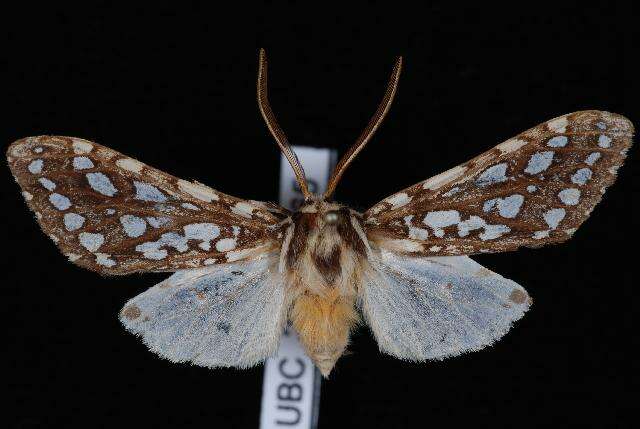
[(432, 308), (218, 316)]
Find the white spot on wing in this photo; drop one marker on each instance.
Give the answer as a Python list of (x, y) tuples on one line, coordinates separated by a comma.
[(202, 231), (441, 179), (157, 222), (592, 158), (105, 260), (130, 165), (558, 125), (147, 192), (73, 221), (558, 141), (418, 233), (491, 175), (243, 209), (398, 200), (80, 146), (570, 196), (539, 235), (59, 201), (73, 256), (471, 224), (91, 241), (539, 162), (581, 176), (441, 219), (190, 206), (27, 196), (101, 184), (35, 166), (205, 232), (451, 191), (532, 188), (511, 145), (604, 141), (236, 255), (152, 250), (197, 190), (553, 217), (494, 231), (82, 163), (226, 244), (403, 245), (508, 207), (133, 225), (48, 184)]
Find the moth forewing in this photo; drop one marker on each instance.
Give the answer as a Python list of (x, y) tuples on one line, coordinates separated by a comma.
[(115, 215), (534, 189)]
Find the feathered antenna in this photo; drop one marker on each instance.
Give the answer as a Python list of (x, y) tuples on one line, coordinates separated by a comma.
[(368, 132), (276, 131)]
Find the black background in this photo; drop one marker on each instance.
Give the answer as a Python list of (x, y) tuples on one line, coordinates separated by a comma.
[(175, 88)]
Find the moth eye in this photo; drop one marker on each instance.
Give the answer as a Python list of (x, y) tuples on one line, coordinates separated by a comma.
[(331, 217)]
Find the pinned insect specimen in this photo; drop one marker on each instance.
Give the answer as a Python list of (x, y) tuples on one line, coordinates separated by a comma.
[(244, 269)]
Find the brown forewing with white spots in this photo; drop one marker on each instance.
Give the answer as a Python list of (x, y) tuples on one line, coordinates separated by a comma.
[(531, 190), (115, 215)]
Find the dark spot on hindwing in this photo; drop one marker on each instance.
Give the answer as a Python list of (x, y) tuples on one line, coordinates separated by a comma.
[(223, 326), (328, 265), (131, 312), (517, 296)]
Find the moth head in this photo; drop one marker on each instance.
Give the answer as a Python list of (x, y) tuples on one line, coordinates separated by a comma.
[(332, 214), (322, 216), (283, 143), (327, 213), (331, 217)]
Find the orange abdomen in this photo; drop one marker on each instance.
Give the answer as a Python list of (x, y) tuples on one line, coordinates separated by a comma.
[(323, 324)]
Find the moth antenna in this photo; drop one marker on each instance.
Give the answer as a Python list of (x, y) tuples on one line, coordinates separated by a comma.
[(368, 132), (274, 128)]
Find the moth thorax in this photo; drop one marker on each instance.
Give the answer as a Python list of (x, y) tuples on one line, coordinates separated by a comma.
[(324, 249)]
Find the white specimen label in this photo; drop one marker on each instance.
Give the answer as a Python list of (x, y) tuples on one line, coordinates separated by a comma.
[(291, 386), (318, 165)]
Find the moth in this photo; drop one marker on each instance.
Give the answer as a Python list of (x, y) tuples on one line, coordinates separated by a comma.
[(245, 269)]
